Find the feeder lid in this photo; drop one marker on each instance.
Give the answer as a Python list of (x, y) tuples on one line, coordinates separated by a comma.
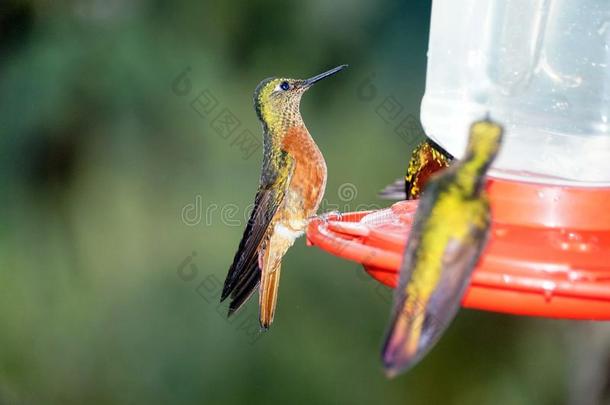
[(548, 254)]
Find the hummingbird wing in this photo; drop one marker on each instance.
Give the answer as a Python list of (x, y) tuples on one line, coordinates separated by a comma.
[(418, 323), (244, 274), (394, 191), (459, 260), (426, 159)]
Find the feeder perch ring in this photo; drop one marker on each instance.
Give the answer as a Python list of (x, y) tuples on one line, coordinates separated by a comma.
[(548, 253)]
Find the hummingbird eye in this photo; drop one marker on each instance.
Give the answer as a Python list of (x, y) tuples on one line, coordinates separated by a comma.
[(284, 86)]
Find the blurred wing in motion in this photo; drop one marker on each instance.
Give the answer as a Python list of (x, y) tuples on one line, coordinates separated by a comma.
[(418, 322), (394, 191)]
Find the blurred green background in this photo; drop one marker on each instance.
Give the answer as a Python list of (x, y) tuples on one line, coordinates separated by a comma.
[(122, 208)]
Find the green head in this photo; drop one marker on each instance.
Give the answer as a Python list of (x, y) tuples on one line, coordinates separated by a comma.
[(277, 100), (483, 143)]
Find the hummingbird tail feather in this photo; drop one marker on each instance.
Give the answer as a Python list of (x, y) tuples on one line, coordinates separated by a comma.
[(268, 297), (270, 278)]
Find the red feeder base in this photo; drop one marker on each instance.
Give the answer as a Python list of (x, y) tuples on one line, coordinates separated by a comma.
[(548, 255)]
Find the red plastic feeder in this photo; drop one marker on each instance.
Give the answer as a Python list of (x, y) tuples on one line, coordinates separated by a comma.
[(548, 255)]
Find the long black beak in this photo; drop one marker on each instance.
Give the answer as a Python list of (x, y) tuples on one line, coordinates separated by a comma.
[(321, 76)]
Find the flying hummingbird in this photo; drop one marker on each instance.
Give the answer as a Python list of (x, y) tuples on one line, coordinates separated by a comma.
[(426, 159), (291, 187), (449, 233)]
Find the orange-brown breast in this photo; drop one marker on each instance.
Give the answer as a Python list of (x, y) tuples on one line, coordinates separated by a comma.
[(309, 177)]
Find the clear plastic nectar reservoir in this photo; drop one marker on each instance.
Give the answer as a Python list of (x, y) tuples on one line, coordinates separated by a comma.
[(539, 67)]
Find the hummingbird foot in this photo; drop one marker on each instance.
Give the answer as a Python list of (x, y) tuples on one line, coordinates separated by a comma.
[(328, 216)]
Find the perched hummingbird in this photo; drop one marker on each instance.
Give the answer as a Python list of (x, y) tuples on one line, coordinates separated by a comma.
[(426, 159), (291, 187), (449, 232)]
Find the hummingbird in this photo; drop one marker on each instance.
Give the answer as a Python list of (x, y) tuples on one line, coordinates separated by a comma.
[(449, 232), (426, 159), (292, 184)]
